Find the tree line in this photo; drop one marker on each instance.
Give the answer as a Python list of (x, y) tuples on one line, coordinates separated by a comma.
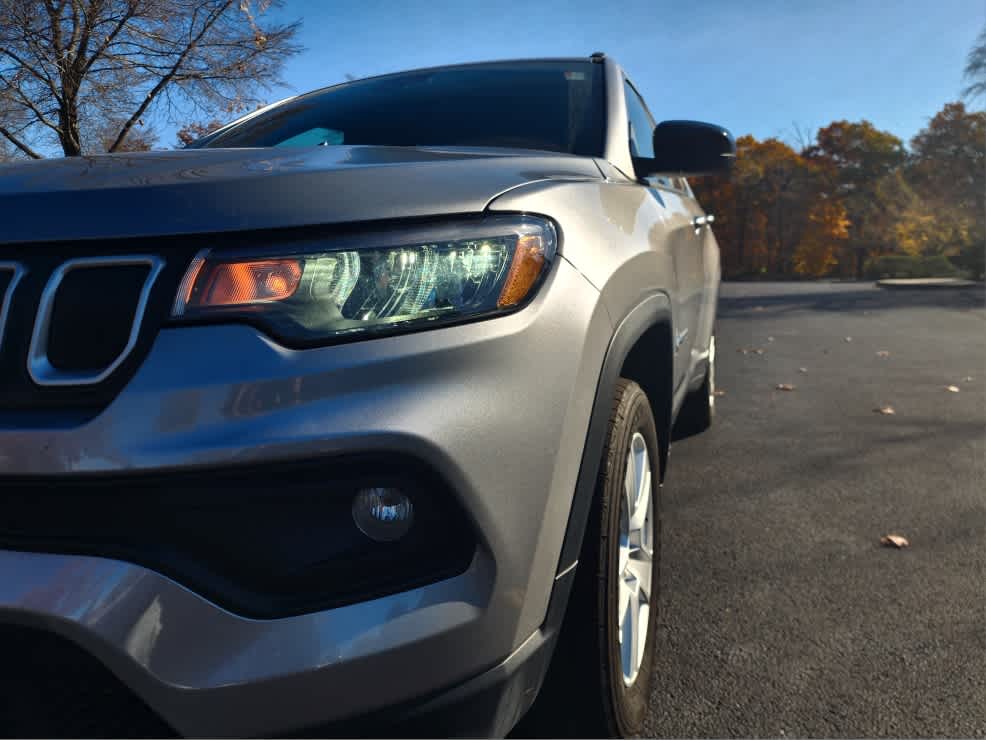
[(87, 76), (854, 195)]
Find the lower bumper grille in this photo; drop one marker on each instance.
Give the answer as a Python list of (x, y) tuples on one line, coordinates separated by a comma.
[(50, 687), (264, 542)]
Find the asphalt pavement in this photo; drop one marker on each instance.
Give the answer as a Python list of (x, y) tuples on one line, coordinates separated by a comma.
[(780, 612)]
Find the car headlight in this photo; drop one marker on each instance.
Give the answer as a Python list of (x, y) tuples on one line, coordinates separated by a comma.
[(314, 291)]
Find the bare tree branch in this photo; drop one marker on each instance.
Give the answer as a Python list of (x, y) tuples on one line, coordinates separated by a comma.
[(26, 102), (163, 82), (19, 144), (70, 70), (110, 37)]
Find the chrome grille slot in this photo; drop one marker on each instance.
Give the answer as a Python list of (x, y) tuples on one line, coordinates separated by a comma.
[(89, 318)]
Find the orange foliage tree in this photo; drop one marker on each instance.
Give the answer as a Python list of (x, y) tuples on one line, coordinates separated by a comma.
[(827, 231), (762, 209), (853, 195)]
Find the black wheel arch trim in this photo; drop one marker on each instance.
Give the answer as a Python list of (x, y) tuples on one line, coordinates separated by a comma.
[(655, 310)]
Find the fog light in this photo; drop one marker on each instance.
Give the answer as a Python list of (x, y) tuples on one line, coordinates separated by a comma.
[(383, 514)]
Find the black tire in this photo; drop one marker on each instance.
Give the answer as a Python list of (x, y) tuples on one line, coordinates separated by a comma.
[(584, 693), (698, 409)]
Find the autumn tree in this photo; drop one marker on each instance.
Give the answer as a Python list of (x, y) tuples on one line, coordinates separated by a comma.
[(853, 195), (70, 69), (195, 130), (762, 208), (922, 230), (826, 231), (859, 162)]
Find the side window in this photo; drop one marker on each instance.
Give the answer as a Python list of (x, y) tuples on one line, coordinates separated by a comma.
[(642, 134), (641, 124)]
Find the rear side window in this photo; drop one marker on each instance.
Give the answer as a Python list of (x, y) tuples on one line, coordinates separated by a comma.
[(555, 105), (641, 124)]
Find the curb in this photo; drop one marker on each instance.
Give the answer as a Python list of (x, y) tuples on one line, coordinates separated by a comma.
[(928, 283)]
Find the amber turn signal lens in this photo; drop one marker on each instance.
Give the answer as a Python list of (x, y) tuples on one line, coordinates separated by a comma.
[(239, 283), (524, 270)]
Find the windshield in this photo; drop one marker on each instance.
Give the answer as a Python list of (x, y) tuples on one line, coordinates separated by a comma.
[(554, 106)]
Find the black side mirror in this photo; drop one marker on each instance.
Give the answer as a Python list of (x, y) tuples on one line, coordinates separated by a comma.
[(688, 148)]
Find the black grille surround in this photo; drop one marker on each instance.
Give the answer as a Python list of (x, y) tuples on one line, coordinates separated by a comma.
[(86, 339), (264, 542)]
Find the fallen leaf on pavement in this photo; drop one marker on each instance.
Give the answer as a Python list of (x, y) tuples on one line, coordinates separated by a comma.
[(802, 369), (969, 378), (785, 387), (770, 339), (885, 410), (848, 339), (758, 351), (883, 353), (718, 392), (952, 388), (894, 540), (759, 308)]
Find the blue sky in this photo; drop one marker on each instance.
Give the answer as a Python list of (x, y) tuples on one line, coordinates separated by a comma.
[(755, 66)]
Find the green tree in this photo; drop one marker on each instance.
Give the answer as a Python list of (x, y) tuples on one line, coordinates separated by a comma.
[(948, 159), (975, 68), (948, 170)]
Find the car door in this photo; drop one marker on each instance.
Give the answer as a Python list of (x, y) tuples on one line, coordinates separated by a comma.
[(710, 275), (683, 237)]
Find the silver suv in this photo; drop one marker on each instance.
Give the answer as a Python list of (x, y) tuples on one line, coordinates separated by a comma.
[(353, 416)]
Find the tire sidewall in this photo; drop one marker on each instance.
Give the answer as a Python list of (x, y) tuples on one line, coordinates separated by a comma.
[(629, 704)]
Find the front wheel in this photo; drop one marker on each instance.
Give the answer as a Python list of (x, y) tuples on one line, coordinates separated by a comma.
[(600, 679)]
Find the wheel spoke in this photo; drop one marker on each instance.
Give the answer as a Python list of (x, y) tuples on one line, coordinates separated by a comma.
[(643, 499), (630, 483), (635, 639), (640, 567), (635, 563)]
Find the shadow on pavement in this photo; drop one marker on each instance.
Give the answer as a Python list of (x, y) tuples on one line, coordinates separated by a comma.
[(863, 297)]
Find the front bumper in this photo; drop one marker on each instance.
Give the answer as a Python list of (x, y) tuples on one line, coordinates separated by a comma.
[(60, 690), (500, 408)]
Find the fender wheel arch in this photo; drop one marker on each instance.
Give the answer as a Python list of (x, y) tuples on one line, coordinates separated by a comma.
[(640, 350)]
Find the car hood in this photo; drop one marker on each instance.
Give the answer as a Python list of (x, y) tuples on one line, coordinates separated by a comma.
[(196, 191)]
